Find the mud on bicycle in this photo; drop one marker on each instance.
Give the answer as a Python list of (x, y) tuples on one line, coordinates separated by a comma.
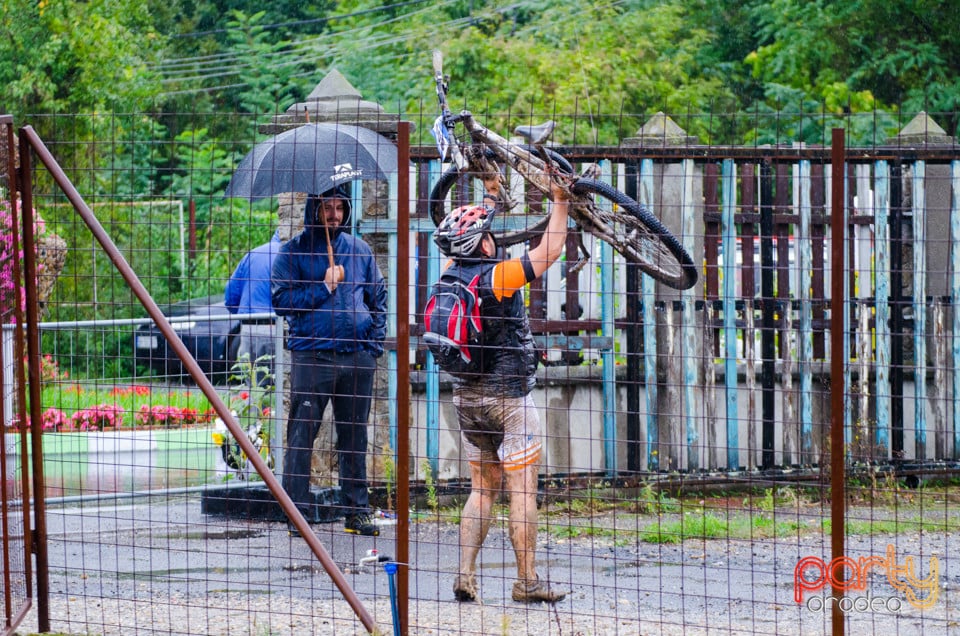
[(595, 206)]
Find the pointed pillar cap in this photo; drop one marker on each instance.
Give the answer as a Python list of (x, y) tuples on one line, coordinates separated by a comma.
[(921, 131), (334, 100), (660, 130)]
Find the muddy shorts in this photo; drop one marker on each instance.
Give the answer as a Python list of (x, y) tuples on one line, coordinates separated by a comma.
[(498, 429)]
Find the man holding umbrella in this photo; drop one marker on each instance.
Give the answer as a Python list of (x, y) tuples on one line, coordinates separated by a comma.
[(327, 285)]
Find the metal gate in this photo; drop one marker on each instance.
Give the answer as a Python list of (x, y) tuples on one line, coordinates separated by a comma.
[(15, 495)]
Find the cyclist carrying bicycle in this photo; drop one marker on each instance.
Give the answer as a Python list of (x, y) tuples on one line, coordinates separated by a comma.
[(499, 424)]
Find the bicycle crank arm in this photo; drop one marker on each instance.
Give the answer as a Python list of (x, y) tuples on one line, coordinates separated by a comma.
[(584, 255)]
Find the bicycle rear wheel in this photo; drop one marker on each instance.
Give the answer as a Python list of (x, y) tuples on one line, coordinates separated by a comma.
[(509, 228), (636, 233)]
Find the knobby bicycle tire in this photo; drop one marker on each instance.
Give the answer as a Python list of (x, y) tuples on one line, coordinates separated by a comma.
[(509, 229), (636, 234)]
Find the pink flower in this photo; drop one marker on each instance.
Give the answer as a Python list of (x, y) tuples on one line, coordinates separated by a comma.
[(54, 419), (98, 417), (162, 415)]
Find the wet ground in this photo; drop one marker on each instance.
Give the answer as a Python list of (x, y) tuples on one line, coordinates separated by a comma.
[(158, 565)]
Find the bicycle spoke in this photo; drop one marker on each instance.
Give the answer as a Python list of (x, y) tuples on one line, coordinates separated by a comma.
[(634, 233)]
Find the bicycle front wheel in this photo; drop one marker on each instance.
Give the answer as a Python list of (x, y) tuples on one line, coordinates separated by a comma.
[(635, 233), (509, 228)]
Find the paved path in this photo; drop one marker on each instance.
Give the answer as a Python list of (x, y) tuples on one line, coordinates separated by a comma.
[(159, 566)]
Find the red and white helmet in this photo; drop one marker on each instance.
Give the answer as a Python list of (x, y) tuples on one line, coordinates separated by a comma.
[(461, 232)]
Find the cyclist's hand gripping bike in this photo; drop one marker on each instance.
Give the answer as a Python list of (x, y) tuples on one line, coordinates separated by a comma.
[(623, 223)]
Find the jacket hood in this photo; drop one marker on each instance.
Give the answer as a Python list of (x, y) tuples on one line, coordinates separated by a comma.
[(310, 208)]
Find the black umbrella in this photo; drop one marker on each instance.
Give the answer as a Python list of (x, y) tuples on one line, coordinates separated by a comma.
[(313, 158)]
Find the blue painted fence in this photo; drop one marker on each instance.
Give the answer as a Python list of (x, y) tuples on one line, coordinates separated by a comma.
[(710, 397)]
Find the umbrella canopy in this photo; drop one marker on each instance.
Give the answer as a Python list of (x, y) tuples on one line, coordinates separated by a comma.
[(313, 158)]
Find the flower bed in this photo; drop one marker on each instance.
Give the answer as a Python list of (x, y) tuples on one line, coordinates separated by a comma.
[(74, 407), (129, 413)]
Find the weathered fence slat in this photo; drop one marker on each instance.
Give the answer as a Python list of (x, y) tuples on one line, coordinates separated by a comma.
[(711, 421), (728, 234), (608, 292), (688, 318), (920, 310), (648, 297), (768, 336), (861, 448), (804, 249), (433, 372), (955, 298), (750, 363), (881, 273), (938, 410)]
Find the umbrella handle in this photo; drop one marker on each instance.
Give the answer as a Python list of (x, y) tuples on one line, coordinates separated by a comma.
[(329, 245)]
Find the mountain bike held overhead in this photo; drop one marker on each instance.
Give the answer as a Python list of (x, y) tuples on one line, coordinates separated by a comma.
[(596, 207)]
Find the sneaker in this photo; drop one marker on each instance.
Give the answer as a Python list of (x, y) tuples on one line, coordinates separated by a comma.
[(465, 587), (361, 524), (538, 591)]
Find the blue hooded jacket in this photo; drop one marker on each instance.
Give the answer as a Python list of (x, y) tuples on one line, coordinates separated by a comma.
[(248, 290), (354, 316)]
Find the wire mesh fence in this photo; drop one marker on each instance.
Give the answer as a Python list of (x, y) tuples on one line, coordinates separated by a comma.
[(680, 441)]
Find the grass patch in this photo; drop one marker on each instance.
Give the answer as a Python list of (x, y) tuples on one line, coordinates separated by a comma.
[(567, 531), (699, 524), (654, 502), (695, 524), (766, 527), (950, 523)]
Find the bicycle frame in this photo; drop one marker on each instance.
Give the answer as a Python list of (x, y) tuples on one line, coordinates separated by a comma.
[(528, 165), (625, 224)]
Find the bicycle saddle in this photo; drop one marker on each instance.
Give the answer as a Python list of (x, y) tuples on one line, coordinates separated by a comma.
[(536, 134)]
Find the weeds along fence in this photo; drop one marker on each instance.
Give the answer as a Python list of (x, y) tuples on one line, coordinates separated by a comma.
[(689, 483)]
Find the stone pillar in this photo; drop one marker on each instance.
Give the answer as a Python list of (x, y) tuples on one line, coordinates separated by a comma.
[(924, 132), (674, 339), (334, 100)]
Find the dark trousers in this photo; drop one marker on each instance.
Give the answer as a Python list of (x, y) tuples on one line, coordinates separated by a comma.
[(346, 380)]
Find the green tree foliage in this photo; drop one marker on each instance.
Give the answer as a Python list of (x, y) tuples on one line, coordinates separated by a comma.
[(534, 60), (734, 61), (77, 56), (255, 70), (572, 60), (265, 85), (203, 170), (859, 56)]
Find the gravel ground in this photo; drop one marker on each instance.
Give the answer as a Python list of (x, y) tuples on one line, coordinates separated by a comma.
[(165, 568)]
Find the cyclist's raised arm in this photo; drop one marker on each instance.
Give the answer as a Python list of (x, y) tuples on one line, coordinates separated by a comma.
[(554, 238)]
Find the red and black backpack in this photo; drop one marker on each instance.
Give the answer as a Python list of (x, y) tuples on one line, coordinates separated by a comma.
[(453, 328)]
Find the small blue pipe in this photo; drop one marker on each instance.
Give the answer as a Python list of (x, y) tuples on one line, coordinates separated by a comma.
[(390, 567)]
